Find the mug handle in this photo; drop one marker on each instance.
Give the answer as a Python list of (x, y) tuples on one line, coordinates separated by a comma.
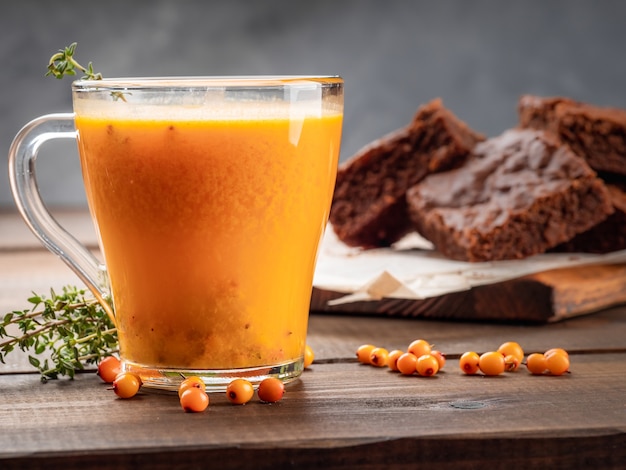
[(22, 156)]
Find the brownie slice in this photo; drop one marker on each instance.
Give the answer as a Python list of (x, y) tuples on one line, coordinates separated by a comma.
[(596, 133), (369, 205), (607, 236), (518, 195)]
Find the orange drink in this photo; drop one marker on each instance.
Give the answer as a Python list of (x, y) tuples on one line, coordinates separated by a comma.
[(210, 205)]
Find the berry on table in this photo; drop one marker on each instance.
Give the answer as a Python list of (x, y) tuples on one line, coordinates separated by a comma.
[(536, 363), (126, 385), (109, 368), (491, 363), (469, 362), (407, 364), (392, 359), (441, 357), (239, 391), (557, 362), (511, 348), (191, 382), (511, 363), (309, 356), (363, 353), (427, 365), (271, 390), (194, 400), (419, 347), (379, 357)]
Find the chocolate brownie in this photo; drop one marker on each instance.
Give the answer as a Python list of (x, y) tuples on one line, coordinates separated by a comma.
[(596, 133), (369, 206), (607, 236), (518, 195)]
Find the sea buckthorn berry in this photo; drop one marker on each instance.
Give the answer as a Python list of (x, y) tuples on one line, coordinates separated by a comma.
[(379, 357), (191, 382), (239, 391), (511, 363), (555, 350), (109, 368), (557, 363), (363, 353), (407, 364), (271, 390), (427, 365), (392, 360), (511, 348), (419, 347), (309, 356), (469, 362), (194, 400), (536, 363), (491, 363), (441, 358), (126, 385)]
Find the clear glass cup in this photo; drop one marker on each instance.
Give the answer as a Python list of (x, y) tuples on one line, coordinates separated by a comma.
[(210, 196)]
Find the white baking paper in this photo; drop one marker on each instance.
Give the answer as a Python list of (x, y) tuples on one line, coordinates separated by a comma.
[(411, 269)]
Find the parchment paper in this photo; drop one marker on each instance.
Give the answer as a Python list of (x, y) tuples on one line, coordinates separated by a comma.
[(411, 269)]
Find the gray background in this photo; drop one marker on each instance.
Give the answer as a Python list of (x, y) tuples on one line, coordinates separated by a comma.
[(479, 56)]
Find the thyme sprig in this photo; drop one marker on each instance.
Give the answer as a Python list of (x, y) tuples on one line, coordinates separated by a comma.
[(63, 63), (70, 328)]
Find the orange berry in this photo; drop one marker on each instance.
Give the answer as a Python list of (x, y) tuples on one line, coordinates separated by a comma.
[(491, 363), (392, 360), (126, 385), (427, 365), (419, 347), (441, 358), (239, 391), (271, 390), (191, 382), (378, 357), (309, 356), (109, 368), (407, 364), (557, 363), (511, 363), (194, 400), (536, 363), (549, 352), (469, 362), (511, 348), (363, 353)]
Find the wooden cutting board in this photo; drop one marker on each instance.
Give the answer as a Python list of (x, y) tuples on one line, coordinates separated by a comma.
[(538, 298)]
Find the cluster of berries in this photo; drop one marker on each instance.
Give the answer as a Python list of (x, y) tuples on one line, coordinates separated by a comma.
[(192, 390), (508, 358), (420, 358)]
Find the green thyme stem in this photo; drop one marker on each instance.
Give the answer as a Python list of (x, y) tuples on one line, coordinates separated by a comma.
[(63, 63)]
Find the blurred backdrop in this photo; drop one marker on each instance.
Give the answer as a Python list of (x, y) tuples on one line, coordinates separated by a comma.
[(394, 55)]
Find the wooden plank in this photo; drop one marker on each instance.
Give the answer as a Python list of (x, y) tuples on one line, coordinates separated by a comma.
[(544, 297), (338, 415)]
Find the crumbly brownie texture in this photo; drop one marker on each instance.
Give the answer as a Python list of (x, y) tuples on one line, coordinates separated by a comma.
[(369, 205), (518, 195), (596, 133), (607, 236)]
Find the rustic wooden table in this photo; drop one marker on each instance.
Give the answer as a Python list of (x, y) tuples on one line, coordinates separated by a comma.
[(340, 414)]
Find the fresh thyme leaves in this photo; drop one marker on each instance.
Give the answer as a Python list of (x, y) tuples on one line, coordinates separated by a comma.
[(70, 329), (63, 63)]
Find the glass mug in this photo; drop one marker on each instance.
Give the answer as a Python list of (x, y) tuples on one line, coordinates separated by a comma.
[(210, 196)]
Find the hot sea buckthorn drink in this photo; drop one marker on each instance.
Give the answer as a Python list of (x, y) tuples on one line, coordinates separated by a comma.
[(210, 198)]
